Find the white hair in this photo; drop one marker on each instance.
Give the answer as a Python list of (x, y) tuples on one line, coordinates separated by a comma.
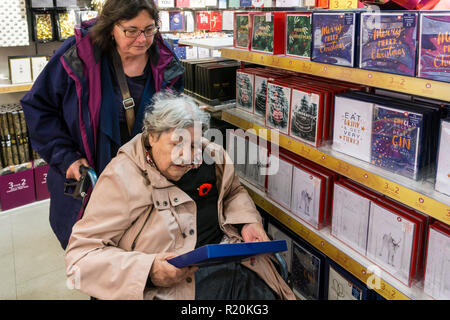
[(169, 111)]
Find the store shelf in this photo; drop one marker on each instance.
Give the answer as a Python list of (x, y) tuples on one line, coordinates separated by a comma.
[(13, 88), (410, 85), (419, 195), (322, 240), (208, 43)]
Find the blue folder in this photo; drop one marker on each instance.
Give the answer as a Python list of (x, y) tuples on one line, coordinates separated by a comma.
[(222, 253)]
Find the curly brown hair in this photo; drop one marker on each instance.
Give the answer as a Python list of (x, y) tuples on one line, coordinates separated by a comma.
[(112, 12)]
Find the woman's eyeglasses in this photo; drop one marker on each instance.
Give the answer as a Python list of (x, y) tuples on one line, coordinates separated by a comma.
[(134, 33)]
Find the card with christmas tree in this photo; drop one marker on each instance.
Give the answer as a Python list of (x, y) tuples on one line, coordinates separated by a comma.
[(306, 116), (298, 35), (241, 30), (388, 42), (244, 90), (278, 105)]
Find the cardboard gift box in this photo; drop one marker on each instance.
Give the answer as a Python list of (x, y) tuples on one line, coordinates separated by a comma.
[(17, 189), (40, 180)]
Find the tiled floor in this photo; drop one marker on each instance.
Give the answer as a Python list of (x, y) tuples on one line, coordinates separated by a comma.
[(31, 260)]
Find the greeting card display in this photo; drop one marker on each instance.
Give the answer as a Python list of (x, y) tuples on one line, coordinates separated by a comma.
[(298, 35), (237, 147), (278, 106), (388, 42), (267, 32), (241, 30), (434, 41), (308, 195), (437, 278), (306, 116), (350, 218), (176, 21), (334, 36), (244, 90), (396, 138), (352, 127), (392, 242), (443, 162), (307, 271), (279, 180)]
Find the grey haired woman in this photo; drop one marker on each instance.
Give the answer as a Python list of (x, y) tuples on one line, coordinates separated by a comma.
[(154, 202)]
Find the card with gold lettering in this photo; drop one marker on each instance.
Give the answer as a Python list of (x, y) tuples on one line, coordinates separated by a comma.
[(388, 42), (298, 35), (334, 38), (434, 46), (241, 30), (396, 140)]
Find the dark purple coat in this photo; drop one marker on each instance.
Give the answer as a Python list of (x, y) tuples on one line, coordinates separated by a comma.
[(63, 109)]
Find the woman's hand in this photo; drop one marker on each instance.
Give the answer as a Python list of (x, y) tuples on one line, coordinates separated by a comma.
[(74, 170), (254, 232), (163, 274)]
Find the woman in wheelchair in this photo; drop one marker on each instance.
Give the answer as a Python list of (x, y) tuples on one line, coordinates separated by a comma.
[(167, 192)]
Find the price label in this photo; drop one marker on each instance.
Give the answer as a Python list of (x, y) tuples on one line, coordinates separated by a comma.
[(343, 4)]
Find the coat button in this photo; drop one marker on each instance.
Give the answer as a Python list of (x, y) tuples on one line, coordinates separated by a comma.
[(175, 199), (165, 203), (188, 279), (157, 203), (191, 232)]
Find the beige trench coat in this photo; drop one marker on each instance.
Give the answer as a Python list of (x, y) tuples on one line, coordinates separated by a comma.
[(135, 213)]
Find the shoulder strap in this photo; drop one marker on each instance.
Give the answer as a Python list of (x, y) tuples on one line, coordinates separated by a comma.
[(128, 102)]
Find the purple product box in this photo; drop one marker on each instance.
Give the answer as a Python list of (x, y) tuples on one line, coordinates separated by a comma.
[(388, 42), (17, 189), (334, 38), (434, 46), (40, 180)]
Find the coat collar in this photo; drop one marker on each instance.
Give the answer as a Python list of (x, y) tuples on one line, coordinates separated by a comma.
[(136, 151)]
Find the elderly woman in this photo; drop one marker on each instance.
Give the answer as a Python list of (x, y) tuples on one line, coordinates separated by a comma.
[(90, 99), (154, 202)]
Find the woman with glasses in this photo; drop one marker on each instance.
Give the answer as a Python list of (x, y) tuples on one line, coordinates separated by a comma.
[(90, 98)]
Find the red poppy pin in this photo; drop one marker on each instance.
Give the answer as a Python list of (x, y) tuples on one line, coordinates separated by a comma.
[(204, 189)]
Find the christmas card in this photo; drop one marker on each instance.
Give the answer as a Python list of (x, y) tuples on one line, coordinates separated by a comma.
[(267, 32), (388, 42), (176, 21), (306, 116), (437, 277), (352, 129), (241, 30), (244, 90), (390, 242), (344, 286), (257, 161), (307, 196), (203, 22), (443, 161), (434, 46), (334, 38), (278, 106), (298, 42), (350, 217), (260, 95), (307, 270), (396, 139), (277, 234), (215, 21), (227, 20), (279, 184)]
